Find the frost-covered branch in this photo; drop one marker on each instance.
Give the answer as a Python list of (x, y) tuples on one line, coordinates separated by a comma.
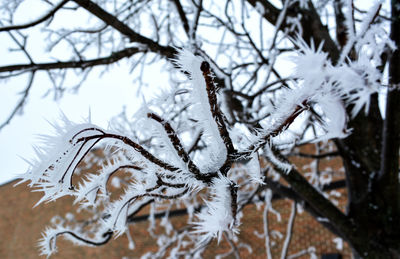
[(152, 178), (289, 231), (240, 101)]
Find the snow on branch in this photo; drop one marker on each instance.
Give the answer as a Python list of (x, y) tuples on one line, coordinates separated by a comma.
[(57, 160), (153, 176), (159, 167), (208, 114), (220, 213), (48, 241)]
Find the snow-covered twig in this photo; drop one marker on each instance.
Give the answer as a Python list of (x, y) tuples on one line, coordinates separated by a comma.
[(289, 231)]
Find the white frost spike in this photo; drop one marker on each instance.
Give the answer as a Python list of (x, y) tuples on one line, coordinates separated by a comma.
[(287, 104), (358, 80), (47, 244), (119, 209), (119, 213), (285, 167), (217, 216), (88, 190), (254, 170), (217, 150), (167, 148), (311, 64), (57, 158), (335, 117)]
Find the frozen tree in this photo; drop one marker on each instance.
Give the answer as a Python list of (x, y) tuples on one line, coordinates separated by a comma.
[(250, 82)]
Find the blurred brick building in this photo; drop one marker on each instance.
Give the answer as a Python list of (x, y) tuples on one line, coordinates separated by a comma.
[(21, 227)]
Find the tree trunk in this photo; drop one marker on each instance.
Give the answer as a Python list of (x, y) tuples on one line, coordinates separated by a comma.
[(371, 159)]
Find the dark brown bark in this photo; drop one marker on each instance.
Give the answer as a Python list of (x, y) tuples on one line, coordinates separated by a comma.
[(313, 29), (80, 64), (111, 20), (371, 159), (388, 180)]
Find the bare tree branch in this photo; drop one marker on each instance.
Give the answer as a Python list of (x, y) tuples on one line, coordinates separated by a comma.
[(79, 64), (21, 102), (182, 15), (36, 22), (112, 21)]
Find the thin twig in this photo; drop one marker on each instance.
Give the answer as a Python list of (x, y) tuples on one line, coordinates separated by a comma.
[(21, 102), (36, 22)]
